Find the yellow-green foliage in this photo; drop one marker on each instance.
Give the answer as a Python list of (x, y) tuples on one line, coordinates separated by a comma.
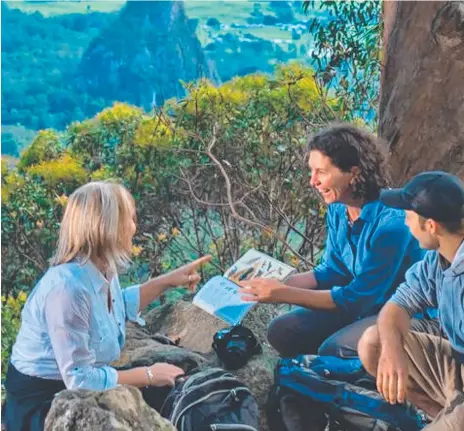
[(104, 173), (11, 181), (65, 170), (119, 112), (96, 139), (152, 133), (5, 169), (298, 83), (293, 84), (45, 146), (84, 138), (83, 128), (11, 315), (232, 95), (114, 119), (118, 116), (205, 97), (201, 96), (249, 83)]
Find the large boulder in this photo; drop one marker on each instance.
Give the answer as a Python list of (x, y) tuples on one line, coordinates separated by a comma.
[(186, 324), (142, 348), (118, 409), (123, 408)]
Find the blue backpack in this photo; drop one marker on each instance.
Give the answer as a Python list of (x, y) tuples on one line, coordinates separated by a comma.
[(312, 392)]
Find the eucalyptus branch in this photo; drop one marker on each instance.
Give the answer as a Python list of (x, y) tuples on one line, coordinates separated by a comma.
[(235, 214)]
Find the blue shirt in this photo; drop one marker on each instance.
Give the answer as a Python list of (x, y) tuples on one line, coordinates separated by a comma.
[(364, 263), (437, 284), (67, 332)]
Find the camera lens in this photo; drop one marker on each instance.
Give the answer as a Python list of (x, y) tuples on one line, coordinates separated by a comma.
[(237, 345), (237, 353), (234, 346)]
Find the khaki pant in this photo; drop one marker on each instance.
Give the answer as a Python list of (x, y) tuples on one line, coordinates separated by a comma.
[(433, 371)]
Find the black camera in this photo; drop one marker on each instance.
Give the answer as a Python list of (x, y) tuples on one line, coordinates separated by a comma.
[(235, 345)]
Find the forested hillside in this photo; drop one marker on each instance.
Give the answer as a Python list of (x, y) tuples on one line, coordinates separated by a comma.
[(60, 67)]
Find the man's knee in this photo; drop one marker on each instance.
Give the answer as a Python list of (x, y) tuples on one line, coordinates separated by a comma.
[(279, 334), (369, 349), (300, 331), (289, 336), (329, 347)]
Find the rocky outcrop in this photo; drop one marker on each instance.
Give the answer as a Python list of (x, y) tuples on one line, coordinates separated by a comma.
[(118, 409), (143, 54), (142, 349), (123, 408)]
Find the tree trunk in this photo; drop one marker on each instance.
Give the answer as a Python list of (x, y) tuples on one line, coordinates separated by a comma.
[(422, 100)]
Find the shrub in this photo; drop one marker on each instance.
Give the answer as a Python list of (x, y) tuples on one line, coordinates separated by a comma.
[(11, 321), (46, 146)]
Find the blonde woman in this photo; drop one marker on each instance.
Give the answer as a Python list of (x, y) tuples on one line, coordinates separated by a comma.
[(73, 323)]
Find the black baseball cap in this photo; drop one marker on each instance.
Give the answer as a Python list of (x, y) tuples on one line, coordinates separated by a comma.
[(436, 195)]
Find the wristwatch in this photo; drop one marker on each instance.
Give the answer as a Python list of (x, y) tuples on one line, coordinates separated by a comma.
[(150, 375)]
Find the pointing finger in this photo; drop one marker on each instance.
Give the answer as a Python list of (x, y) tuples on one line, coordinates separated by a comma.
[(198, 262)]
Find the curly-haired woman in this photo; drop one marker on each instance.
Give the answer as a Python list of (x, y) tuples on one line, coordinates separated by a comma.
[(73, 323), (368, 250)]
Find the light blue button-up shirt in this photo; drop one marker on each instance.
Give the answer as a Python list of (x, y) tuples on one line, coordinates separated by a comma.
[(435, 283), (67, 331), (364, 263)]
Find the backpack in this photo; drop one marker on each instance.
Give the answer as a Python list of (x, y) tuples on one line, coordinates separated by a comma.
[(312, 392), (212, 399)]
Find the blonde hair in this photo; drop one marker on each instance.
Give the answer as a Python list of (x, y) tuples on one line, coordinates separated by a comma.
[(94, 225)]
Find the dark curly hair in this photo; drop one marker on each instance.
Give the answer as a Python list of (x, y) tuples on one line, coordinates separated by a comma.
[(348, 146)]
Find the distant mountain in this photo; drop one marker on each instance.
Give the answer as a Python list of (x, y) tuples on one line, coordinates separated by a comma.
[(66, 61), (141, 57)]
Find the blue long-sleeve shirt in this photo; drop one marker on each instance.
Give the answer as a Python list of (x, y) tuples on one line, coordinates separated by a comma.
[(437, 284), (67, 331), (364, 263)]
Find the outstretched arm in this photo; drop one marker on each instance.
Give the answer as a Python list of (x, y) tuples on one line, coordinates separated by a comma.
[(269, 290), (186, 275)]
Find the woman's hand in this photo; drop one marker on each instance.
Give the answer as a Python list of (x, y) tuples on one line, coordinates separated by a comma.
[(261, 290), (187, 275), (164, 374)]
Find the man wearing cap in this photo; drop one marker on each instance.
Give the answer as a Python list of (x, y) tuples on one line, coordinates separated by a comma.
[(424, 368)]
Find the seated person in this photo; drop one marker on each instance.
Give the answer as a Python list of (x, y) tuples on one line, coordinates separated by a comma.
[(427, 369), (368, 251), (73, 323)]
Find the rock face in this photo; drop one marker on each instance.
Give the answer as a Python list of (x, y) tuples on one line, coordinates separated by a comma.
[(141, 57), (123, 408)]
